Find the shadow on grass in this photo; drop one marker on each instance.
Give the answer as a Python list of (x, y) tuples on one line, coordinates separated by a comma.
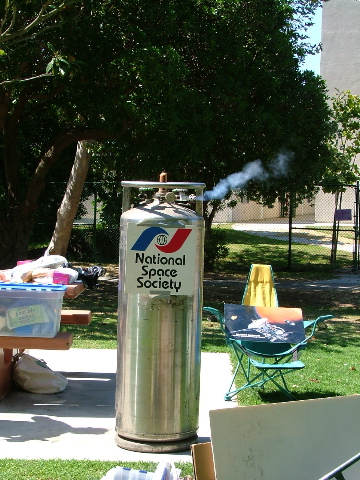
[(277, 397), (277, 256), (337, 335), (269, 394)]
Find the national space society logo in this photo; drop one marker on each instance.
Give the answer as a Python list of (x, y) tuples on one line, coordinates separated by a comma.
[(160, 260)]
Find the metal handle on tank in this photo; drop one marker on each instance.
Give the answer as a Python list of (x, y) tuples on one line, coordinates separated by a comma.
[(127, 186)]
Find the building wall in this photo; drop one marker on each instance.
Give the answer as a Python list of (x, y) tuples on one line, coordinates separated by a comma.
[(340, 38), (254, 212), (340, 68), (325, 205)]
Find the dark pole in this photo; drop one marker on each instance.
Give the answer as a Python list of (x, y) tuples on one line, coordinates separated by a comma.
[(290, 229), (95, 222)]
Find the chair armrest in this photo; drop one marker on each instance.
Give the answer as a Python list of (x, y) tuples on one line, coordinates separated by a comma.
[(215, 312), (219, 316), (293, 350), (310, 323), (248, 351), (313, 325)]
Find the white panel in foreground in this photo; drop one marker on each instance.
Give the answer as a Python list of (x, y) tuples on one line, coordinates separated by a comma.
[(293, 440)]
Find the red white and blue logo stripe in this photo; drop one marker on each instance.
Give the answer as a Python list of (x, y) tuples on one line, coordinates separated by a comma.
[(161, 239)]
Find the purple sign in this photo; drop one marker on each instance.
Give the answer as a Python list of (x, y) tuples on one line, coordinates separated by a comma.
[(343, 214)]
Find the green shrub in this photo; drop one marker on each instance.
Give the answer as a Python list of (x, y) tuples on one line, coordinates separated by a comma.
[(89, 245), (215, 247)]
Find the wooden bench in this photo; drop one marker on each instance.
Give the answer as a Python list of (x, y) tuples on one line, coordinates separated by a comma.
[(74, 290), (75, 317), (61, 341)]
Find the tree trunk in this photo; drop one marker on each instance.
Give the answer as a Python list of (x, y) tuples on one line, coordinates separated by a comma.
[(209, 214), (69, 205), (17, 216)]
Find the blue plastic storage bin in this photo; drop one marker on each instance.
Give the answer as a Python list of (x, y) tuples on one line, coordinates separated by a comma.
[(30, 310)]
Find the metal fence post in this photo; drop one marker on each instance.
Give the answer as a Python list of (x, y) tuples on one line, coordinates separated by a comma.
[(356, 228)]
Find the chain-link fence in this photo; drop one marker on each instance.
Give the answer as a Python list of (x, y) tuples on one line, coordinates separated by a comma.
[(318, 233), (324, 232)]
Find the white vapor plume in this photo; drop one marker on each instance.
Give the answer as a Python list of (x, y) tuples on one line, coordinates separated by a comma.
[(251, 171)]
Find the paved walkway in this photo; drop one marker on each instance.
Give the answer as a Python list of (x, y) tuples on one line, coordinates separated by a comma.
[(79, 423), (346, 282), (304, 231)]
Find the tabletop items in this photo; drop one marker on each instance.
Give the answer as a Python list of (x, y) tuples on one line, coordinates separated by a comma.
[(52, 269)]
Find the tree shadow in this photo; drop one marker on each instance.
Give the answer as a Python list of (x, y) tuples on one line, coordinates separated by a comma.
[(88, 395), (278, 397), (41, 428)]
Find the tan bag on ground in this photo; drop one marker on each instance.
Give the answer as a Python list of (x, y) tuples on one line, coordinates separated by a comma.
[(33, 375)]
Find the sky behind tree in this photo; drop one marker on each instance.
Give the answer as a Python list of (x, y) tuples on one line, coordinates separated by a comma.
[(312, 62)]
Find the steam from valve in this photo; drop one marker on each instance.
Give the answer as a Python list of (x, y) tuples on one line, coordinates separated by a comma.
[(251, 171)]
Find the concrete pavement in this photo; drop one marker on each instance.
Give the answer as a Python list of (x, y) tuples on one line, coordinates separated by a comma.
[(79, 423)]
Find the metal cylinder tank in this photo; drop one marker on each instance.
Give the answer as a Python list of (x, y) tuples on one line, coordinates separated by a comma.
[(159, 323)]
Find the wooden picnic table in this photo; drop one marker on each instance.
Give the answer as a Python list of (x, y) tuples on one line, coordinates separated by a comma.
[(10, 345)]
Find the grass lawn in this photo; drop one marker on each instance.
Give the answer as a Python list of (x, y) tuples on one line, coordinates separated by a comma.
[(102, 331), (273, 248), (71, 469), (332, 362)]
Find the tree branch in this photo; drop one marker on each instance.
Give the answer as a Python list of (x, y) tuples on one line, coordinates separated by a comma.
[(3, 22), (22, 80), (10, 37), (51, 156)]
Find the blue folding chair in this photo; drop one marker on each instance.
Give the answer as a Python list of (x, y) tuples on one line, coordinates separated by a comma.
[(262, 362)]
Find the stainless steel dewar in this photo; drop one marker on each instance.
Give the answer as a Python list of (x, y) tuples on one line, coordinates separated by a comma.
[(159, 320)]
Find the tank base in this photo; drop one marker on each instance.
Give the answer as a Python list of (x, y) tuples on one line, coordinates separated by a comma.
[(155, 447)]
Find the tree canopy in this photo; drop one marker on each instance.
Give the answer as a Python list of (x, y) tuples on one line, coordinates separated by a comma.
[(345, 144), (222, 87), (198, 88)]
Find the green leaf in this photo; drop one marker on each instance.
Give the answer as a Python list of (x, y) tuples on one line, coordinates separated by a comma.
[(50, 66)]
